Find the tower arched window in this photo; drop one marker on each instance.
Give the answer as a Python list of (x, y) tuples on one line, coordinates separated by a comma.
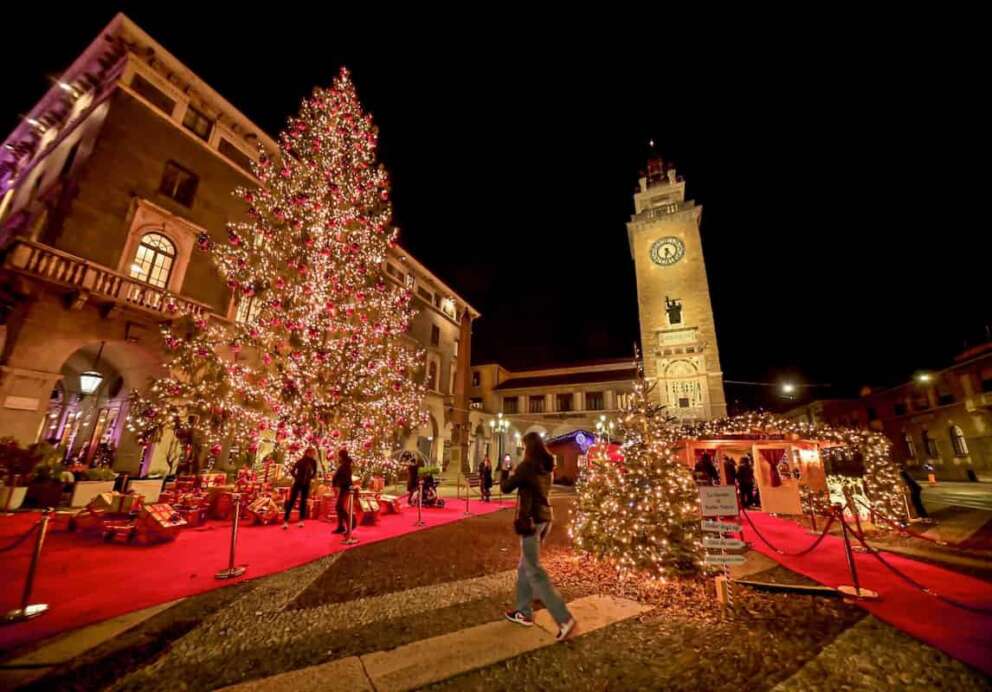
[(153, 260), (958, 442)]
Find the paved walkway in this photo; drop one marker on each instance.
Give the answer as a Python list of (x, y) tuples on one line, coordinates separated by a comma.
[(440, 658)]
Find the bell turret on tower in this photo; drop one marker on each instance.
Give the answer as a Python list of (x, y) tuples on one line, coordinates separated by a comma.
[(678, 332)]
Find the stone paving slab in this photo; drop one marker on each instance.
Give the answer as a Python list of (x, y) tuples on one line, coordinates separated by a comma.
[(439, 658), (343, 674)]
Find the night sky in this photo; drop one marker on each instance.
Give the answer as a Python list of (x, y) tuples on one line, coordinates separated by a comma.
[(842, 176)]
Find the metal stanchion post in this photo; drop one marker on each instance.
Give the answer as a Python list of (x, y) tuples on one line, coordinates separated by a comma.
[(855, 590), (468, 489), (812, 514), (420, 503), (857, 519), (10, 497), (349, 539), (231, 570), (30, 610)]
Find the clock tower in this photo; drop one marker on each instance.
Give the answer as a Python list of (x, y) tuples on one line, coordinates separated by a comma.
[(678, 333)]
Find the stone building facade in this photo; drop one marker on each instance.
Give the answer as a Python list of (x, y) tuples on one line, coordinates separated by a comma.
[(940, 420), (554, 402), (678, 332), (104, 188)]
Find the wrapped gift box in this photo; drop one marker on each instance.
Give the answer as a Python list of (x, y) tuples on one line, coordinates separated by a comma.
[(264, 509), (194, 516), (158, 522)]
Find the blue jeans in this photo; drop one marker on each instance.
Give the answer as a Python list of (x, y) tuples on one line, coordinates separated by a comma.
[(533, 581)]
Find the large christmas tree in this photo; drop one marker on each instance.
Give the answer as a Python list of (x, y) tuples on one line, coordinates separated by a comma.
[(326, 328), (641, 514)]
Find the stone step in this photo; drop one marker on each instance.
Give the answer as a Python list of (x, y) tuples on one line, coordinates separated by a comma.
[(439, 658)]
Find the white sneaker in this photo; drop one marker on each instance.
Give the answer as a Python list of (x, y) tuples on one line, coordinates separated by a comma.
[(565, 629), (285, 524), (300, 524)]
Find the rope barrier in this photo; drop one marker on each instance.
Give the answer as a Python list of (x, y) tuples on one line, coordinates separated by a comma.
[(819, 539), (20, 539), (912, 582), (902, 529)]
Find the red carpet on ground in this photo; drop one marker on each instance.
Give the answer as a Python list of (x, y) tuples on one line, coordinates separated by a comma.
[(963, 634), (85, 580)]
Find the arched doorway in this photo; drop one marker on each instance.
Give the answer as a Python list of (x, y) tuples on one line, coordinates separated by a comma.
[(427, 438), (87, 416)]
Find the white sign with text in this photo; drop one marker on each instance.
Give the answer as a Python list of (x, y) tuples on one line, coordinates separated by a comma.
[(718, 500)]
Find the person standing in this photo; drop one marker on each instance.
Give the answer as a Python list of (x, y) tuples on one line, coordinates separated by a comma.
[(745, 482), (342, 481), (730, 470), (303, 472), (486, 479), (532, 481)]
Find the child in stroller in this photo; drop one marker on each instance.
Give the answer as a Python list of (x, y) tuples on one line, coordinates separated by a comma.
[(431, 498)]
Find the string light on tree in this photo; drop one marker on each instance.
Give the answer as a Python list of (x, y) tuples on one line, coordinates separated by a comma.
[(641, 514)]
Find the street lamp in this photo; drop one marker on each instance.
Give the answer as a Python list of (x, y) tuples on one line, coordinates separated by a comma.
[(788, 388), (500, 426), (923, 377), (90, 380)]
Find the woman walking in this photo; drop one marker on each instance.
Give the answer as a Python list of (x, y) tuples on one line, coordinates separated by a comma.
[(532, 481)]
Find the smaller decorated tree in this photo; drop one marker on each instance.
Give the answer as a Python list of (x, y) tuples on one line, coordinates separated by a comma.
[(641, 514), (194, 399)]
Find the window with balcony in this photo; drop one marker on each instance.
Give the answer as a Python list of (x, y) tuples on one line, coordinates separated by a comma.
[(179, 184), (930, 445), (958, 442), (152, 94), (536, 404), (510, 404), (432, 376), (986, 376), (248, 308), (944, 397), (564, 402), (594, 401), (153, 260), (435, 335), (198, 123), (235, 155)]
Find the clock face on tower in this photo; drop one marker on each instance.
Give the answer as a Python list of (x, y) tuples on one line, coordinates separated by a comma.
[(667, 251)]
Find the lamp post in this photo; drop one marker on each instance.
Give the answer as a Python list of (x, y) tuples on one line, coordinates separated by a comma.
[(604, 428), (499, 426)]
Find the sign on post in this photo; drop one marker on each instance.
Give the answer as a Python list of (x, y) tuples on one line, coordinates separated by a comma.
[(720, 526), (718, 500)]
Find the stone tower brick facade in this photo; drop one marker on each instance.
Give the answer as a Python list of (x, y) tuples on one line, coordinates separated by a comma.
[(678, 332)]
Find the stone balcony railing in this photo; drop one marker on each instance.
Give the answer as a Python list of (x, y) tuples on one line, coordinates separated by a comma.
[(86, 280)]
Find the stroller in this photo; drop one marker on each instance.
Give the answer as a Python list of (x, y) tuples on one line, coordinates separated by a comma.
[(429, 486)]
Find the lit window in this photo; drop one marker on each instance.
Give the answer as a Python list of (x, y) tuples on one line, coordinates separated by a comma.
[(197, 123), (153, 260), (475, 378), (248, 308), (179, 184), (594, 401), (958, 442), (930, 445)]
